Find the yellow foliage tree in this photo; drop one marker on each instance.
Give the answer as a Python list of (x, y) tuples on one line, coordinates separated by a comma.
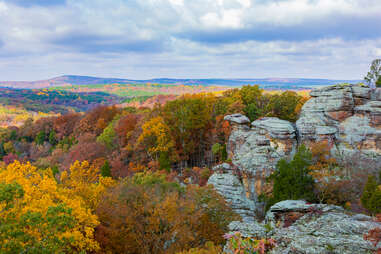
[(84, 180), (34, 206), (155, 137)]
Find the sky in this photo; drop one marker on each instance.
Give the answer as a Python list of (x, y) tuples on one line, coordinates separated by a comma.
[(141, 39)]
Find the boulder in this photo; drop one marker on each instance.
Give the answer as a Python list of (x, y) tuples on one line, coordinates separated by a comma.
[(299, 227), (237, 118)]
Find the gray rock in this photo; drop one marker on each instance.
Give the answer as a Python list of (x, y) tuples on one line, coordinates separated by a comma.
[(330, 232), (237, 118), (370, 107), (224, 167), (319, 229), (361, 91), (256, 151), (277, 128), (347, 116), (230, 187), (248, 229)]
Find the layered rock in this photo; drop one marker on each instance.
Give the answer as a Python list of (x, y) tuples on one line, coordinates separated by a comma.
[(299, 227), (320, 115), (255, 151), (348, 117), (228, 184)]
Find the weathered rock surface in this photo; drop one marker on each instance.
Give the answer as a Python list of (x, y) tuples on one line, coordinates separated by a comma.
[(256, 150), (237, 118), (299, 227), (229, 185), (347, 116)]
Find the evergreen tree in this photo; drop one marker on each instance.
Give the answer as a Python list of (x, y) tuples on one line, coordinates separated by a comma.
[(2, 152), (52, 138), (40, 138), (374, 204), (164, 161), (252, 111), (291, 180), (371, 196), (106, 169)]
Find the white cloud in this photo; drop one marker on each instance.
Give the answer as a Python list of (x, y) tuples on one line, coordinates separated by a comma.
[(3, 7), (225, 38)]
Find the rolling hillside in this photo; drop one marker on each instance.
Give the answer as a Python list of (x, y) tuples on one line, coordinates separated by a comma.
[(269, 83)]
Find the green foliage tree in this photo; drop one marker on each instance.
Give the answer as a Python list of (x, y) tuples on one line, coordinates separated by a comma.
[(371, 196), (374, 205), (9, 147), (252, 111), (106, 169), (251, 97), (250, 94), (2, 151), (378, 83), (53, 138), (291, 180), (164, 161), (14, 238), (40, 138), (108, 136), (219, 151), (284, 105), (374, 74)]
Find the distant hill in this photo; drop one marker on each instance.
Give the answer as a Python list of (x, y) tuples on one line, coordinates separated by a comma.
[(270, 83)]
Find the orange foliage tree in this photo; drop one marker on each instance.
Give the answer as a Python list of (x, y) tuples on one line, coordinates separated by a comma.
[(147, 214), (332, 186)]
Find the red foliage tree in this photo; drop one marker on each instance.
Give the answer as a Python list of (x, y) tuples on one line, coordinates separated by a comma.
[(96, 120), (64, 125), (86, 149), (374, 235)]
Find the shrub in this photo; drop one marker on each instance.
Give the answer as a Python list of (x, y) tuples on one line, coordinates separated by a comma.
[(209, 248), (332, 185), (247, 245)]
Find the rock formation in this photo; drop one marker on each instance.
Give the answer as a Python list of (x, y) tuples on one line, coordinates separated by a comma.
[(347, 116), (226, 181), (299, 227)]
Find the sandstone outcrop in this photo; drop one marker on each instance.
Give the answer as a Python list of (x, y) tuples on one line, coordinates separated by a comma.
[(255, 152), (299, 227), (348, 117), (228, 184)]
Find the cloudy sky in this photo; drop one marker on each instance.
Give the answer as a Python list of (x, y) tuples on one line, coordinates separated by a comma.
[(142, 39)]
